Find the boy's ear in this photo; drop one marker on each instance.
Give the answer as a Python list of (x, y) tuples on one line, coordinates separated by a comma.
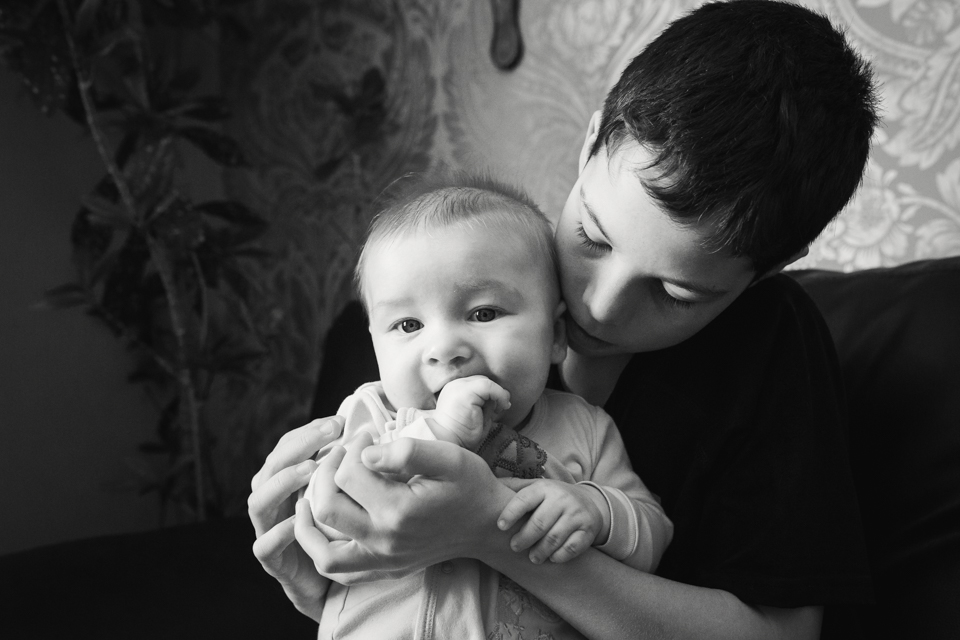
[(774, 270), (559, 350), (593, 128)]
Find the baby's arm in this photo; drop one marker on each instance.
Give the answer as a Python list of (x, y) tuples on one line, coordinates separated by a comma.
[(465, 411), (635, 529)]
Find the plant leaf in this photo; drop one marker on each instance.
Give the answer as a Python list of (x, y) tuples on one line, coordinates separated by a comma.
[(65, 296), (232, 211), (206, 108), (218, 147), (106, 212)]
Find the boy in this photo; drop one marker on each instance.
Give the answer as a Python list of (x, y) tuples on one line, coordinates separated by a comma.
[(460, 286)]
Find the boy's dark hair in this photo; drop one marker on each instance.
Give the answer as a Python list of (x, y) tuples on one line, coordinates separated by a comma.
[(420, 203), (759, 117)]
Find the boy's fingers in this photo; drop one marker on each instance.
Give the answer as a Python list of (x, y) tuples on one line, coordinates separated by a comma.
[(341, 513), (323, 483), (309, 537), (296, 446), (578, 542), (266, 501), (411, 457), (269, 547), (355, 479), (524, 502), (328, 556), (321, 486)]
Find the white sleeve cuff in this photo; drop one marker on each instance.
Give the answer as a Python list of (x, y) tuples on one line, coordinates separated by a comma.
[(624, 531)]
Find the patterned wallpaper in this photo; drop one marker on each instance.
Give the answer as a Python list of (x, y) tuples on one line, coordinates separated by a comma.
[(335, 99)]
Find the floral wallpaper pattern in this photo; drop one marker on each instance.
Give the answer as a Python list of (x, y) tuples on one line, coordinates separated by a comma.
[(335, 99), (909, 205)]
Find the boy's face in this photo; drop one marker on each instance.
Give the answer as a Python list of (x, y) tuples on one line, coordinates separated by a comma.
[(633, 279), (455, 302)]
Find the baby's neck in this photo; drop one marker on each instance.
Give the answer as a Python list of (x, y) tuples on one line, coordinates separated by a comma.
[(593, 379)]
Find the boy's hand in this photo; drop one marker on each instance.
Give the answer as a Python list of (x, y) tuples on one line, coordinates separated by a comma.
[(566, 519), (468, 406), (284, 473)]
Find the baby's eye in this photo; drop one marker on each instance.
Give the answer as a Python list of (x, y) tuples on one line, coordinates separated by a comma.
[(485, 315), (410, 325)]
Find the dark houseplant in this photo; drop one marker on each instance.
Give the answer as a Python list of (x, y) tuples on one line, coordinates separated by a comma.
[(168, 274)]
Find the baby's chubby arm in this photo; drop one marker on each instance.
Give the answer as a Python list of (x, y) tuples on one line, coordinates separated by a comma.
[(466, 408)]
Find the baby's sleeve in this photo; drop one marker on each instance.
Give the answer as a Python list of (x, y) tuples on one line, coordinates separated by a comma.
[(362, 411), (639, 529), (410, 423)]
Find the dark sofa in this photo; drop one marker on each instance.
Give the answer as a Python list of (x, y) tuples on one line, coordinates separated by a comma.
[(897, 332)]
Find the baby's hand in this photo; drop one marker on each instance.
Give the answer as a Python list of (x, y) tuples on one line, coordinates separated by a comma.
[(566, 519), (468, 406)]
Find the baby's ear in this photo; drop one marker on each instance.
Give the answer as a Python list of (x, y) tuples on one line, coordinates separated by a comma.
[(559, 350)]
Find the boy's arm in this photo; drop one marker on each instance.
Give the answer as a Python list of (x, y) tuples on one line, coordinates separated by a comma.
[(624, 602), (394, 524)]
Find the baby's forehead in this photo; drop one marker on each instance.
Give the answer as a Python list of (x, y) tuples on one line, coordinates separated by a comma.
[(513, 237), (516, 250)]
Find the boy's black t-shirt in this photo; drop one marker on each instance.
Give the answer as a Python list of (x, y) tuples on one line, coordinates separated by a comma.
[(740, 430)]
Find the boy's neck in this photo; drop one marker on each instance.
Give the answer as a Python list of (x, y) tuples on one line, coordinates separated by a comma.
[(593, 379)]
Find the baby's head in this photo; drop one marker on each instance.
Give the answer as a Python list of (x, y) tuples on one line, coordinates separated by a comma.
[(459, 278)]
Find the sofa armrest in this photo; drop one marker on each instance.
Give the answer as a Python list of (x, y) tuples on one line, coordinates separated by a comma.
[(192, 581)]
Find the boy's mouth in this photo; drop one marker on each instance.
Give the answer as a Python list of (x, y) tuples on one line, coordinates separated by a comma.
[(579, 335)]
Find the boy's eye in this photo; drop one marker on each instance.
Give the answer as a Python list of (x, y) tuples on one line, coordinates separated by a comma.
[(673, 302), (590, 244), (485, 315), (409, 325)]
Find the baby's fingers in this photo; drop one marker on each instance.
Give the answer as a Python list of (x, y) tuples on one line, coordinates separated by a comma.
[(578, 542), (540, 530), (554, 535), (527, 499), (497, 399)]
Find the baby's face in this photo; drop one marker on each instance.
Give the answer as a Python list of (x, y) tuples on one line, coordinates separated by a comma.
[(455, 302)]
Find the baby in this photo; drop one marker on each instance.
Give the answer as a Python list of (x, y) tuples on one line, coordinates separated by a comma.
[(459, 281)]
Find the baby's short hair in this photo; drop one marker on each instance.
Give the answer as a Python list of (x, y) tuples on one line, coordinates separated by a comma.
[(418, 203)]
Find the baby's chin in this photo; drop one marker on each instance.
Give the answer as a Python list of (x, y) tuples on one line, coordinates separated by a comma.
[(516, 417)]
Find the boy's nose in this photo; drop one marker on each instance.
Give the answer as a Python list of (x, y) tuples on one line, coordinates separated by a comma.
[(447, 347), (607, 299)]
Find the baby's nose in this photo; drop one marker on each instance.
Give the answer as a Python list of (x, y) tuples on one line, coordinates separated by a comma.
[(447, 347)]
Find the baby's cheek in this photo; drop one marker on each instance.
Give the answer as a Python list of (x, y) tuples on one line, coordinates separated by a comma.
[(404, 388)]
